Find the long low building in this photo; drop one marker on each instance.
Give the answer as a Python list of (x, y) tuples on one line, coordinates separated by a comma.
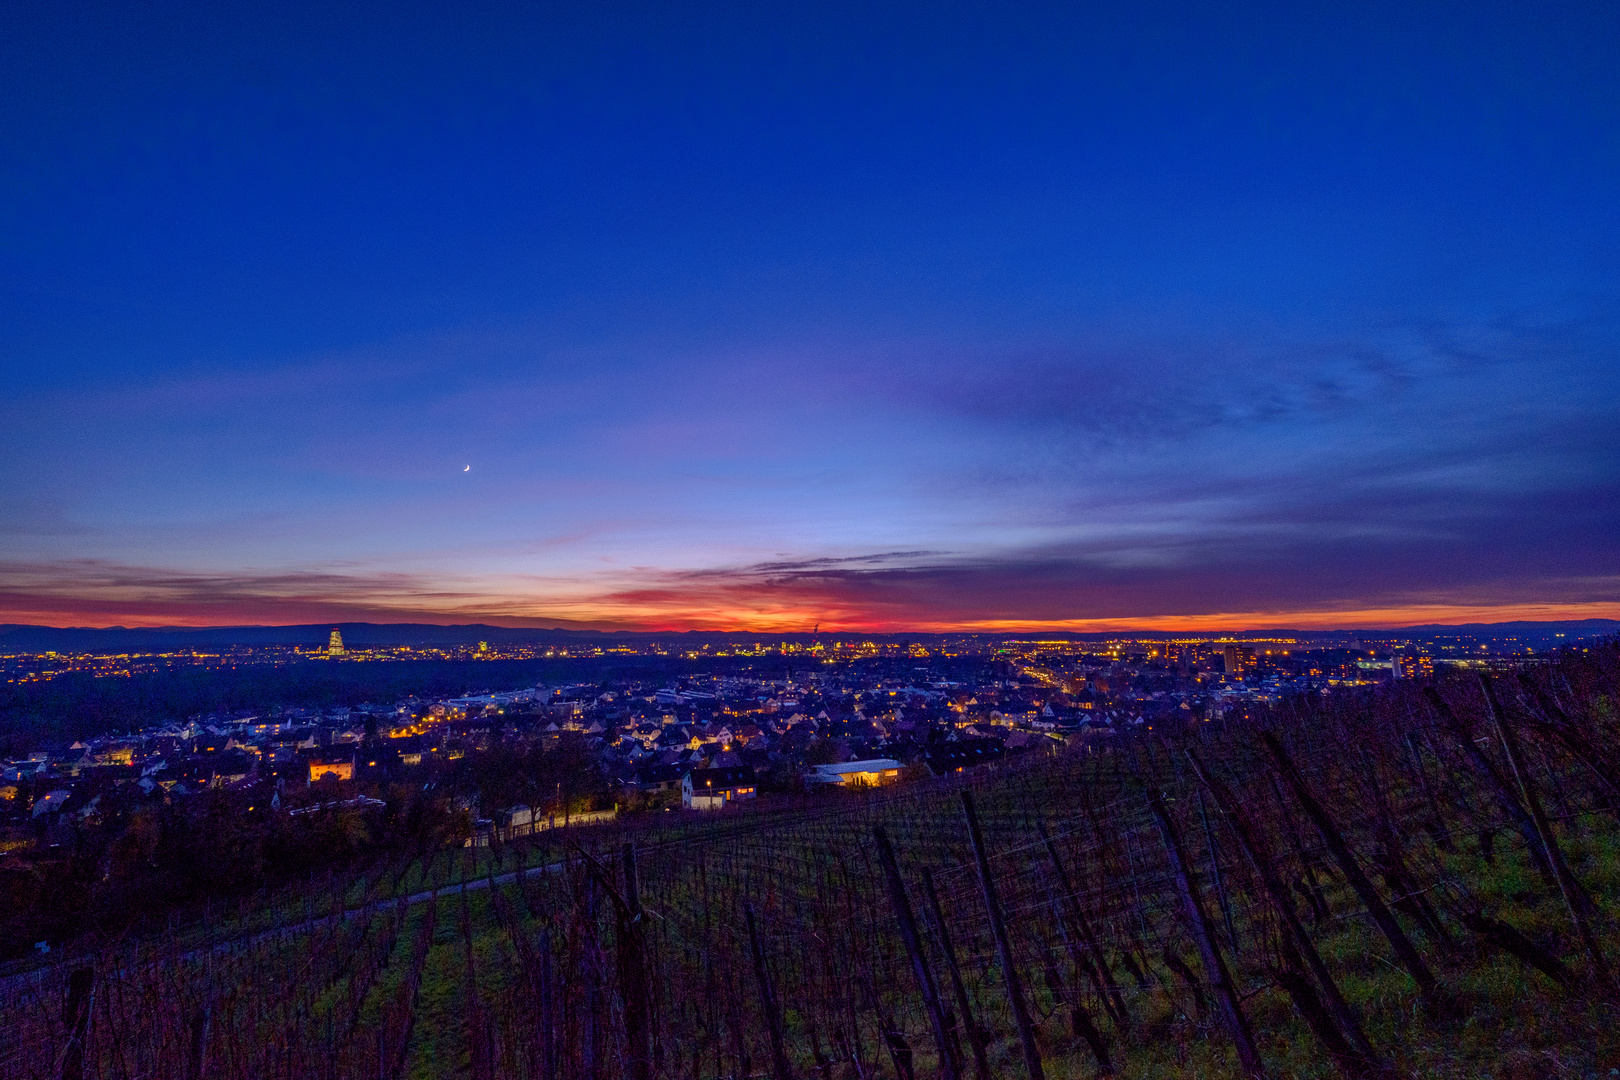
[(869, 773)]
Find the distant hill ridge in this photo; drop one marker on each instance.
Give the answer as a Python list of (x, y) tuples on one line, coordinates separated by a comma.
[(15, 637), (25, 638)]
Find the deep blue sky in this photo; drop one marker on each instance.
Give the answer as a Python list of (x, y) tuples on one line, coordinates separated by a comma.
[(759, 314)]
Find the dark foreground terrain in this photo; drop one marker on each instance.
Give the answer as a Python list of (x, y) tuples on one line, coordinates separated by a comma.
[(1414, 881)]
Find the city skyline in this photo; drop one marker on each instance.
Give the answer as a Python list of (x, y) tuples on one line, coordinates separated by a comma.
[(645, 317)]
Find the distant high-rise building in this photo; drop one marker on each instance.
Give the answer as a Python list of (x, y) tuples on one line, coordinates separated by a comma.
[(1411, 666), (334, 643), (1238, 658)]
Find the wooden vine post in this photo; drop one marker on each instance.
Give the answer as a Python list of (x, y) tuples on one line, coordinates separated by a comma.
[(1097, 970), (981, 1062), (1215, 969), (780, 1070), (201, 1020), (76, 1018), (949, 1066), (998, 927), (633, 972), (631, 957), (548, 1010), (1575, 899), (1500, 787), (1405, 951), (1227, 804)]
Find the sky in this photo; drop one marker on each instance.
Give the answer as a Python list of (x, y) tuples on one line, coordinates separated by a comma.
[(760, 315)]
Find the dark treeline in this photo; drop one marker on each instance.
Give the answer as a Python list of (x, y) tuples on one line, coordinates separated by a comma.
[(146, 859), (78, 704), (142, 858)]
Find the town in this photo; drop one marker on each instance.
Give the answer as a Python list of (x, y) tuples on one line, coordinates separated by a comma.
[(772, 718)]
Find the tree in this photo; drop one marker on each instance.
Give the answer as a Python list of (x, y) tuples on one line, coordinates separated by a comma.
[(823, 752)]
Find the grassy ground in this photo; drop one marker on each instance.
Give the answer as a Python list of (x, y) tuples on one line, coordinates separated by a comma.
[(834, 964), (1512, 1021)]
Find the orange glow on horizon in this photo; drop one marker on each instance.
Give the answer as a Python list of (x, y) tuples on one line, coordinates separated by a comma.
[(744, 620)]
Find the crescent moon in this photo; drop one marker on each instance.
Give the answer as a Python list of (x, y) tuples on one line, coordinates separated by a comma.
[(467, 469)]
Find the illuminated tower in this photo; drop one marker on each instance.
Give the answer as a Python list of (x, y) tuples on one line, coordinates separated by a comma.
[(334, 644), (1238, 658)]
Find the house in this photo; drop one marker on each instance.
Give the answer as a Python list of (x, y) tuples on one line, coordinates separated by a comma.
[(121, 753), (222, 769), (1030, 740), (514, 821), (51, 801), (714, 789), (868, 773), (955, 756), (656, 778), (409, 747), (343, 770)]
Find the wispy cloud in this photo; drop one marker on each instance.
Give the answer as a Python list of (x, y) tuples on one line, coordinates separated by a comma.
[(1074, 588), (98, 592), (1054, 588), (1401, 469)]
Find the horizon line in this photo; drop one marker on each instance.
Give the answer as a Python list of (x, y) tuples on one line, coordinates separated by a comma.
[(980, 629)]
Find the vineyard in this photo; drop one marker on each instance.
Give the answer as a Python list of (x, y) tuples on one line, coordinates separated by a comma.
[(1416, 881)]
